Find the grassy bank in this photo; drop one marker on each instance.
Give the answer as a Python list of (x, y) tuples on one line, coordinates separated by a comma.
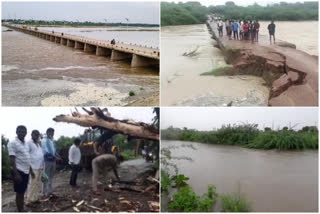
[(248, 135)]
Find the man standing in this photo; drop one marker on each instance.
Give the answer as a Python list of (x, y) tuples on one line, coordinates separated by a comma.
[(49, 152), (272, 30), (257, 27), (20, 162), (36, 161), (74, 161), (235, 30)]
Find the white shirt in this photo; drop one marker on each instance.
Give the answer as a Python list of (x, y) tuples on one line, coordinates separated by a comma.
[(36, 155), (74, 155), (21, 152)]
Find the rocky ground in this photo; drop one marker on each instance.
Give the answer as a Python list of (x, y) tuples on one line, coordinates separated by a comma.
[(138, 191)]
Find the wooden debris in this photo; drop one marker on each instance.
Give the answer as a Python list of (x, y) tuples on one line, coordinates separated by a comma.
[(76, 209), (93, 207), (79, 203), (126, 202), (154, 206)]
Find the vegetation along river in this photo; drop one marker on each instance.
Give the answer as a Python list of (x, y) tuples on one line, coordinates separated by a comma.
[(271, 181)]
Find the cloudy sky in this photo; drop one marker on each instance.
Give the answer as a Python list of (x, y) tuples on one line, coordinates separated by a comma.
[(209, 118), (239, 2), (136, 12), (41, 118)]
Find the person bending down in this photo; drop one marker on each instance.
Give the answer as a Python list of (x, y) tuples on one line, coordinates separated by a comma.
[(101, 165)]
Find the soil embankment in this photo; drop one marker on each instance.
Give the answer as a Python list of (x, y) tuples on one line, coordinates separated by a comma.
[(291, 75)]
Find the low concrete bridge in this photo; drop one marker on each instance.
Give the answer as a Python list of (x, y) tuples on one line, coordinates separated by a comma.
[(139, 55)]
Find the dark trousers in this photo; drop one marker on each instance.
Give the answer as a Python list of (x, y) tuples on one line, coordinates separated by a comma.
[(235, 35), (74, 174)]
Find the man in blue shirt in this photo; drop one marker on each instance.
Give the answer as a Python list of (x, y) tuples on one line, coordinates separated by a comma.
[(49, 152), (235, 30)]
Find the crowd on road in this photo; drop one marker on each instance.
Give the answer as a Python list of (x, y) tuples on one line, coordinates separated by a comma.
[(244, 29), (33, 164)]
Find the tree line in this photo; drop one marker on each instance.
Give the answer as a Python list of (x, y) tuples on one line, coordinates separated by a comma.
[(248, 135), (76, 24), (195, 13)]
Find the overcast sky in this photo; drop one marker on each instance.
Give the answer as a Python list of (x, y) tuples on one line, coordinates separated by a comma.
[(136, 12), (203, 118), (41, 118), (239, 2)]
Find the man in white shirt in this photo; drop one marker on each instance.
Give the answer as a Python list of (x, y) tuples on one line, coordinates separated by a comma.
[(37, 162), (74, 161), (18, 151)]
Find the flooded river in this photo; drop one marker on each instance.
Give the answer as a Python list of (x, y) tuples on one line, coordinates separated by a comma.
[(304, 34), (135, 35), (272, 181), (39, 72), (181, 83)]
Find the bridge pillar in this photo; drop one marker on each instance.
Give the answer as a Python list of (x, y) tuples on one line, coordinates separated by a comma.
[(70, 43), (48, 37), (89, 48), (58, 39), (79, 45), (140, 61), (103, 51), (64, 41), (52, 38), (118, 55)]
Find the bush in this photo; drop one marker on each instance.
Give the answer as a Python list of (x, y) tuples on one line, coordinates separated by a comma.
[(186, 200), (183, 13), (235, 203), (180, 180), (131, 93), (165, 181)]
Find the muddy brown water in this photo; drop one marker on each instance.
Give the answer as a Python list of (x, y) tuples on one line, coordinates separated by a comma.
[(38, 72), (135, 35), (304, 34), (272, 181), (181, 80)]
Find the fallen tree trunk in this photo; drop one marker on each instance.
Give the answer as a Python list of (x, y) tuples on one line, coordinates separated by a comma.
[(97, 118)]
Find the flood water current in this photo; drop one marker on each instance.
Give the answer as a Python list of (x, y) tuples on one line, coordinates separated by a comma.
[(188, 51), (39, 72), (271, 181)]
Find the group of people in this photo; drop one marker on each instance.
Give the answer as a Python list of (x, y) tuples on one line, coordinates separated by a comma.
[(33, 163), (35, 159), (244, 29)]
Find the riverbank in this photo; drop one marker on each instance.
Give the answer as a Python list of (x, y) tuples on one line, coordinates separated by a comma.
[(291, 75), (249, 136)]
